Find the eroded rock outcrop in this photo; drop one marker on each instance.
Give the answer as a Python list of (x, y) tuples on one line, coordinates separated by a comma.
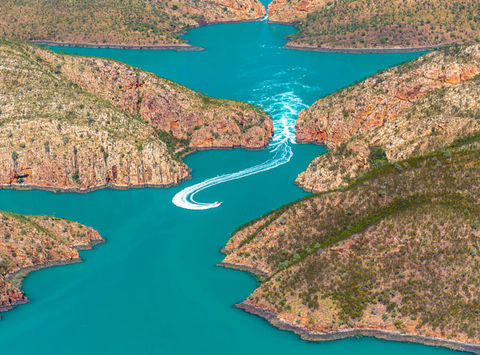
[(285, 11), (197, 120), (29, 243), (408, 110)]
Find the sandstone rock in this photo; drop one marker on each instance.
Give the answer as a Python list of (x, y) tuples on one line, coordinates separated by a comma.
[(408, 110), (81, 123)]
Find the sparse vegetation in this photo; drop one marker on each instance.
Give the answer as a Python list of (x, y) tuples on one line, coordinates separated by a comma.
[(408, 110), (391, 241), (339, 256), (134, 22), (83, 127), (384, 23)]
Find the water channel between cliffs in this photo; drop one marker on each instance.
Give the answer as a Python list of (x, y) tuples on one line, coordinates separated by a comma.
[(153, 288)]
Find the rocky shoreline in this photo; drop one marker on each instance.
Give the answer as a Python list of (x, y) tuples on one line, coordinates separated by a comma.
[(292, 23), (237, 21), (253, 270), (189, 47), (365, 50), (24, 271), (58, 242), (27, 187), (177, 47), (19, 275), (304, 334)]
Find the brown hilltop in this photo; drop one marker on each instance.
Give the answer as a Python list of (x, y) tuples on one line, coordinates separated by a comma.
[(292, 11), (202, 121), (382, 97)]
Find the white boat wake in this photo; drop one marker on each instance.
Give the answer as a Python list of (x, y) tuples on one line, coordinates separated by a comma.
[(283, 108)]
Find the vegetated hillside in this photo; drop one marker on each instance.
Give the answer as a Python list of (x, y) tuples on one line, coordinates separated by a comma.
[(32, 242), (79, 123), (378, 23), (395, 254), (405, 111), (118, 22)]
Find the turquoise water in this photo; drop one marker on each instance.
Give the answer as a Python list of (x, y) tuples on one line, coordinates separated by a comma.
[(153, 288)]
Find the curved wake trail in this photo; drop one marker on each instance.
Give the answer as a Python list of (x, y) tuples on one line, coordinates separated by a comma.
[(283, 108)]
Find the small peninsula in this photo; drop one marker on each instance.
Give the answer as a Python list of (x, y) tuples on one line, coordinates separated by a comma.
[(73, 123), (390, 246), (30, 243), (117, 23), (386, 25)]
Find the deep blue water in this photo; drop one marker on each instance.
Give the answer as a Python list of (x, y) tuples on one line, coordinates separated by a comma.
[(153, 288)]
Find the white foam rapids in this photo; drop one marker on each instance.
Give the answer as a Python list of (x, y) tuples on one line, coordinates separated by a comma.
[(283, 108)]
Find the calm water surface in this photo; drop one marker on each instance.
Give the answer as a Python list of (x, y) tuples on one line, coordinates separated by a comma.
[(153, 288)]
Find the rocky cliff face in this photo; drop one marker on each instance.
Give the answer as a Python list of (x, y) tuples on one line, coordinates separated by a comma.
[(115, 22), (285, 11), (234, 10), (395, 252), (377, 24), (406, 111), (198, 120), (75, 123), (32, 242)]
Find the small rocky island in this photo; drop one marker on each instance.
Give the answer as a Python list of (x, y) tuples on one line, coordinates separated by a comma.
[(389, 25), (117, 23), (73, 123), (390, 247), (30, 243)]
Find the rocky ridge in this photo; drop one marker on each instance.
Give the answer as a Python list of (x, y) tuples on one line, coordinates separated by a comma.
[(79, 123), (370, 24), (405, 111), (29, 243), (196, 120), (394, 255), (119, 23), (284, 11)]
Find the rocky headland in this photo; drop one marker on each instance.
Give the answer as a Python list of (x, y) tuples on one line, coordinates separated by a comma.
[(390, 245), (30, 243), (348, 25), (79, 123), (394, 255), (116, 23), (409, 110)]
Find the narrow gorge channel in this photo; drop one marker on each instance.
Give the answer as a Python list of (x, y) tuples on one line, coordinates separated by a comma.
[(158, 268)]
